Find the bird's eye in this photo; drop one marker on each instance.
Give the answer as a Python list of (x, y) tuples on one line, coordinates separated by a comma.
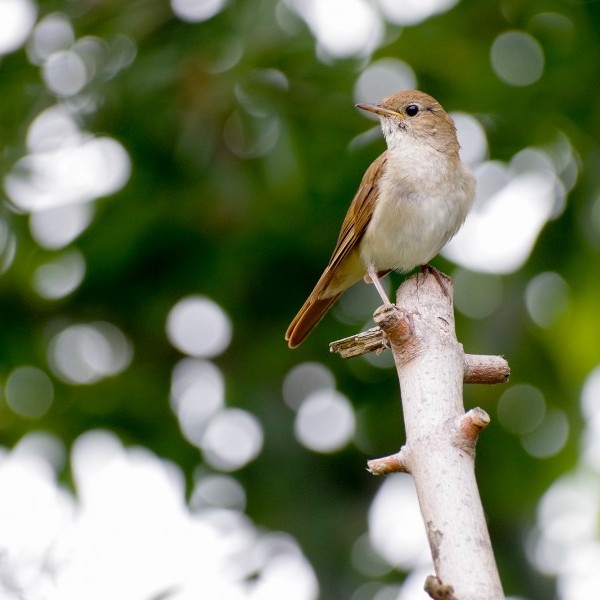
[(412, 110)]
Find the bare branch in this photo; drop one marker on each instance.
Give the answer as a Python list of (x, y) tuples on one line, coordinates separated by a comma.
[(477, 368), (440, 446)]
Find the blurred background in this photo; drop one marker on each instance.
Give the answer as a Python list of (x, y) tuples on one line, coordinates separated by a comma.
[(174, 175)]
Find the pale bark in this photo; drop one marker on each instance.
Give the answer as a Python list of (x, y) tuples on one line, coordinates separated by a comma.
[(440, 447), (478, 368)]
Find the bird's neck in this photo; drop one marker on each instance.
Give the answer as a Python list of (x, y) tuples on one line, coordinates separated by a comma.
[(436, 144), (418, 155)]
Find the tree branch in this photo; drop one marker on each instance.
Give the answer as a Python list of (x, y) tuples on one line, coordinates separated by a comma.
[(478, 368), (440, 448)]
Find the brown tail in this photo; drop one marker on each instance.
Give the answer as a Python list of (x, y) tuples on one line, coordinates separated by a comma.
[(307, 318), (337, 277)]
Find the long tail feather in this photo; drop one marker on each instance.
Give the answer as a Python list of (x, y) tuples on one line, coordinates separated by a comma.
[(307, 318), (337, 277)]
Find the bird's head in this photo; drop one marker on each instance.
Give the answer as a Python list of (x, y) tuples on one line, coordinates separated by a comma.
[(415, 117)]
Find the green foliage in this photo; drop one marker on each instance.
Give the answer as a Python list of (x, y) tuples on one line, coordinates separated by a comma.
[(214, 206)]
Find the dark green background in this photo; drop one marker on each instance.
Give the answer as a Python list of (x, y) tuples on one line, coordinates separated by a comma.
[(254, 233)]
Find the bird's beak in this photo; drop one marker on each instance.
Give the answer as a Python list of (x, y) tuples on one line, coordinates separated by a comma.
[(378, 109)]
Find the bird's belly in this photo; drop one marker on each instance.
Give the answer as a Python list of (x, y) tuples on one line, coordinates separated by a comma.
[(407, 231)]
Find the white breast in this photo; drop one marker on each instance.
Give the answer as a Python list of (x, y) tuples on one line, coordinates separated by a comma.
[(423, 200)]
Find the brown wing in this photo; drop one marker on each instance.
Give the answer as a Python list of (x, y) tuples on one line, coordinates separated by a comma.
[(345, 267)]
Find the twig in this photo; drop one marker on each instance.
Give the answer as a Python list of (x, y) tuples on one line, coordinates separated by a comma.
[(371, 340)]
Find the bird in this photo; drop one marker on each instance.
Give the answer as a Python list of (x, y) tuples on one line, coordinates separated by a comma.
[(412, 199)]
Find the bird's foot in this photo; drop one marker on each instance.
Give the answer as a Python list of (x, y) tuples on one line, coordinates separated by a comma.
[(440, 277)]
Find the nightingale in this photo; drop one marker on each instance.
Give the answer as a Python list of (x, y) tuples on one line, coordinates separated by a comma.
[(412, 199)]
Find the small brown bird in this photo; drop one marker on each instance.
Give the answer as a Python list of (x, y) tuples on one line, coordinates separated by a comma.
[(411, 201)]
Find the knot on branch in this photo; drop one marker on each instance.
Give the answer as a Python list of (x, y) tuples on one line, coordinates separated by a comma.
[(437, 590), (396, 324), (399, 329), (469, 427)]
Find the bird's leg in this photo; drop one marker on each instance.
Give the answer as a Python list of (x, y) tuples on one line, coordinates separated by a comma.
[(439, 277), (372, 275)]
